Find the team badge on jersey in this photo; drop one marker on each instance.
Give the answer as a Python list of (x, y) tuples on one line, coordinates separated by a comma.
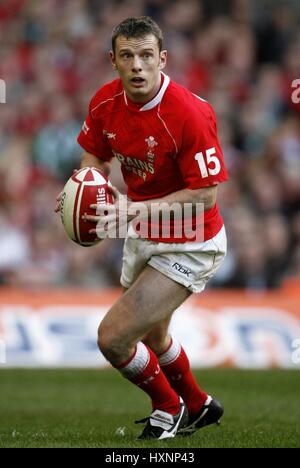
[(151, 142), (151, 145)]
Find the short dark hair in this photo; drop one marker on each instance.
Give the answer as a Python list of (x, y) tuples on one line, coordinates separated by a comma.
[(139, 26)]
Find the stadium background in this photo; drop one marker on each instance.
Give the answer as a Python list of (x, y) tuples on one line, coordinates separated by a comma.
[(243, 57)]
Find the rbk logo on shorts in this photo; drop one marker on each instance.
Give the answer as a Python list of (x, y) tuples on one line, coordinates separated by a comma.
[(181, 269)]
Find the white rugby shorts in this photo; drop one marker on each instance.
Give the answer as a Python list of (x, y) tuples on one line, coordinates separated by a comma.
[(191, 264)]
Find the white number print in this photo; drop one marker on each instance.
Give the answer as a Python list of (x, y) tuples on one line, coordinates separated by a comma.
[(204, 162)]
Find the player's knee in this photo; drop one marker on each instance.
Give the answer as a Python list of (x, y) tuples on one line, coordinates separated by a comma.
[(110, 345), (104, 340)]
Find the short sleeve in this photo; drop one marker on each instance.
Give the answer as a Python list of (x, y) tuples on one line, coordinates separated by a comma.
[(200, 158), (91, 140)]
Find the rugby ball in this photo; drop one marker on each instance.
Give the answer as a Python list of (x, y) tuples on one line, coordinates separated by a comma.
[(86, 187)]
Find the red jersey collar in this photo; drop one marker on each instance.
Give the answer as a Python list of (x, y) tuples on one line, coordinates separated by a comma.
[(155, 101)]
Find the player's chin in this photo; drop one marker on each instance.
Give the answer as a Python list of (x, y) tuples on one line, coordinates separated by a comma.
[(139, 86), (139, 93), (142, 93)]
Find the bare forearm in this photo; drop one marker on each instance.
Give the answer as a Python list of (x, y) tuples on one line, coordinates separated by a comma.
[(207, 196), (89, 160)]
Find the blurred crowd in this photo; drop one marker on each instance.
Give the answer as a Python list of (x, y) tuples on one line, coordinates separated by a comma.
[(241, 55)]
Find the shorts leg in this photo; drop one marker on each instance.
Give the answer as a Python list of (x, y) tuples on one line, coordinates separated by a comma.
[(195, 264), (136, 254)]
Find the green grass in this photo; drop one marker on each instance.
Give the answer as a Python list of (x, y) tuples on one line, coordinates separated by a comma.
[(84, 408)]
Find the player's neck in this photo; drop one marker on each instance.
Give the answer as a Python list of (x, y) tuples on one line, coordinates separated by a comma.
[(148, 99)]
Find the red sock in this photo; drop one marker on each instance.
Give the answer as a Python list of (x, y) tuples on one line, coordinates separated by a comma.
[(143, 369), (176, 367)]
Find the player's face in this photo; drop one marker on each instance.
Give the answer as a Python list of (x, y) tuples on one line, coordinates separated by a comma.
[(138, 62)]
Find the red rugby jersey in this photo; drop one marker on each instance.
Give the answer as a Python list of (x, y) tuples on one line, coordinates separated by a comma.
[(165, 145)]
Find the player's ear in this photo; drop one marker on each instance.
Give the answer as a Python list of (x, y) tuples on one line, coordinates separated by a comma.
[(113, 60), (162, 59)]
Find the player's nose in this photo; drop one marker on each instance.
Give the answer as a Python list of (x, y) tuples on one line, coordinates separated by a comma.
[(136, 64)]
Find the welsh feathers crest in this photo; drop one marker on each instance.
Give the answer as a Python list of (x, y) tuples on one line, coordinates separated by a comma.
[(151, 142)]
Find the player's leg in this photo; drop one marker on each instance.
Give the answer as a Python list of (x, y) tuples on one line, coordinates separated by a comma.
[(202, 408), (158, 339), (176, 366), (152, 298)]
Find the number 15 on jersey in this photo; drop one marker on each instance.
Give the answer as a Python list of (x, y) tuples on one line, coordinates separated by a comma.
[(206, 162)]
